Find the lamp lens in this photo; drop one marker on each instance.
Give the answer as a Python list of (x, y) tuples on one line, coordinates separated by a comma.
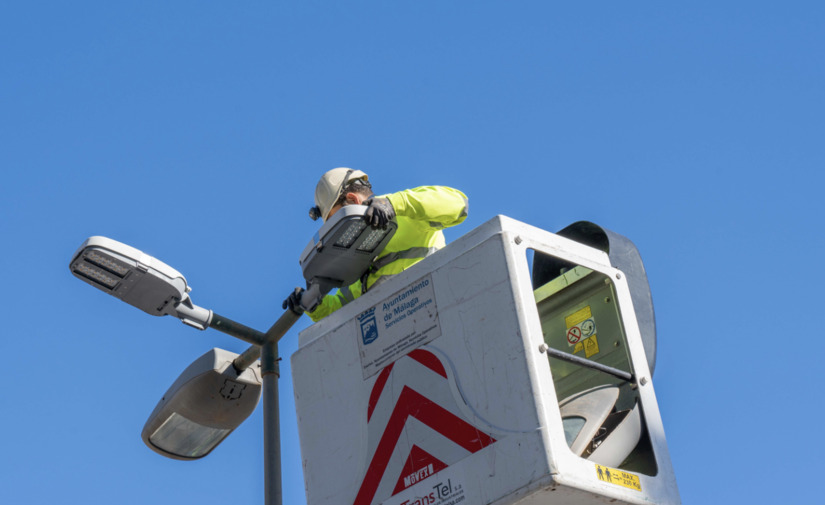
[(96, 275), (182, 437), (109, 264), (352, 232), (373, 239)]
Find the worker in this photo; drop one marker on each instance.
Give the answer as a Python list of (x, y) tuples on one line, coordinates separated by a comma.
[(421, 214)]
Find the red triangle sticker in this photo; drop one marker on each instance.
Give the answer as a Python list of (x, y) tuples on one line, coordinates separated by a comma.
[(418, 467)]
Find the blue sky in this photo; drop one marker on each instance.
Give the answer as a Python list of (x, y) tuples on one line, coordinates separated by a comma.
[(196, 131)]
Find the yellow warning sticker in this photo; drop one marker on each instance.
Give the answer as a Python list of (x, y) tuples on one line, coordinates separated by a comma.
[(618, 477), (581, 332), (591, 346), (578, 316)]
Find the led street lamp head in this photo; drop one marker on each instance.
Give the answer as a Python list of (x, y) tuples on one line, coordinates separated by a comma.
[(343, 249), (138, 279)]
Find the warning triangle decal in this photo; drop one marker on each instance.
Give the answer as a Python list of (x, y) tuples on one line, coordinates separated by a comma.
[(415, 427)]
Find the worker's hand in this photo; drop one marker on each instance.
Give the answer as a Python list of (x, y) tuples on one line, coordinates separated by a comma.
[(293, 301), (379, 213)]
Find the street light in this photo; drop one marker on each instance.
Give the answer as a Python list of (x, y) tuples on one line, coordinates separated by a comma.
[(341, 251), (138, 279), (190, 420), (203, 406)]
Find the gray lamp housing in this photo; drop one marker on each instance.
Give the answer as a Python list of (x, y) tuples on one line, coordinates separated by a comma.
[(203, 406), (138, 279), (342, 251)]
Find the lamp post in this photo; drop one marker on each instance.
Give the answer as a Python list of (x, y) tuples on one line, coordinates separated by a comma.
[(211, 397)]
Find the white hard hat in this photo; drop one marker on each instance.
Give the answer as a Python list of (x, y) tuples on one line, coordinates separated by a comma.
[(331, 187)]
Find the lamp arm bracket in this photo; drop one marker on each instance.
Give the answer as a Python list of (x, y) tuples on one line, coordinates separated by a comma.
[(192, 315)]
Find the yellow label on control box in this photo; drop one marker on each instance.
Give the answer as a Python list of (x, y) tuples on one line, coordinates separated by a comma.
[(578, 316)]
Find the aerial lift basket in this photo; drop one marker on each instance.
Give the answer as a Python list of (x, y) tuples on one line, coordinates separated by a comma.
[(467, 379)]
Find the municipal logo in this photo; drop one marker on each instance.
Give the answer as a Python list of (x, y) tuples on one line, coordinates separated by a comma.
[(369, 326)]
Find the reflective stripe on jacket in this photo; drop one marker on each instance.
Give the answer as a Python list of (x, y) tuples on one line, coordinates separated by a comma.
[(421, 214)]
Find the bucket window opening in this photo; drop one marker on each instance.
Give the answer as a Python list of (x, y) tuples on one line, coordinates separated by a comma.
[(590, 364)]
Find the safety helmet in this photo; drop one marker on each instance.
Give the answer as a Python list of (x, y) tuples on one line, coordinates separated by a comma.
[(331, 187)]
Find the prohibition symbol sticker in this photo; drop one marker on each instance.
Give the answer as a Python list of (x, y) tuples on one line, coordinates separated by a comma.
[(574, 334)]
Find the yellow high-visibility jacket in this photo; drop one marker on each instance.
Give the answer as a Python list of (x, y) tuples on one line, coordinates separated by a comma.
[(421, 214)]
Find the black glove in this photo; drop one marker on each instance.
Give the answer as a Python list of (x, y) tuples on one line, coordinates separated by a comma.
[(379, 213), (293, 301)]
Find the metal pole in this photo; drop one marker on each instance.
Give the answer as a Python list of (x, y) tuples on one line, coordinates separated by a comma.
[(245, 333), (237, 330), (246, 358), (270, 370), (265, 346), (272, 425)]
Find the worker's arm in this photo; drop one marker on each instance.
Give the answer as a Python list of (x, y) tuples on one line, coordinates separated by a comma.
[(331, 303), (435, 206)]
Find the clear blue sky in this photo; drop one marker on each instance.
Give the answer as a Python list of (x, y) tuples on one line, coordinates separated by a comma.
[(196, 131)]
